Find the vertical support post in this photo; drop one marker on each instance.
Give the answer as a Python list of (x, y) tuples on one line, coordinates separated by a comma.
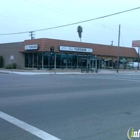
[(138, 57), (48, 60), (42, 60), (87, 62), (77, 61), (95, 62), (66, 61), (118, 53), (112, 62), (37, 60), (32, 60), (108, 63), (12, 58), (99, 62), (55, 63), (12, 65), (28, 59)]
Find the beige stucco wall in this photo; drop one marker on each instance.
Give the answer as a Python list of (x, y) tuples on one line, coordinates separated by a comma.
[(8, 49)]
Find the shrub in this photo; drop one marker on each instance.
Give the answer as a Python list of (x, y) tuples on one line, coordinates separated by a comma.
[(1, 61), (38, 67), (11, 66), (14, 65)]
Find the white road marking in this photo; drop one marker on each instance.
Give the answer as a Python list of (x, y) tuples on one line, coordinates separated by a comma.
[(31, 129), (121, 79)]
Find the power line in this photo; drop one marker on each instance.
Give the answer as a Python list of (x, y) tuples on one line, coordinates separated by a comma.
[(75, 22), (62, 11)]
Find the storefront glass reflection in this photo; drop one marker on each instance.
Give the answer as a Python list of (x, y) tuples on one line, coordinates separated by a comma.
[(63, 61)]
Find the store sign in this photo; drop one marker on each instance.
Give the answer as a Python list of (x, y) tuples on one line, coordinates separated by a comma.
[(136, 43), (31, 47), (75, 49)]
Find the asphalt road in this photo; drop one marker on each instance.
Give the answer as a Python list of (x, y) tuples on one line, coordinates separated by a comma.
[(70, 107)]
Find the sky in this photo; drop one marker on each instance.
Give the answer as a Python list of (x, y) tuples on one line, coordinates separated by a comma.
[(29, 15)]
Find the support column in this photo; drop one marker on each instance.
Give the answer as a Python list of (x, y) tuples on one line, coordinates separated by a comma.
[(55, 63), (87, 61), (99, 62), (77, 62), (66, 60), (112, 62), (138, 58), (42, 60), (28, 59), (37, 60), (32, 60)]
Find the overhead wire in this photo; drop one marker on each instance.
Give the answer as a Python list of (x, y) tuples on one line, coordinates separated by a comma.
[(70, 24), (65, 12)]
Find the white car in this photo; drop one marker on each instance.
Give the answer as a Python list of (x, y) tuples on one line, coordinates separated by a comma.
[(133, 65)]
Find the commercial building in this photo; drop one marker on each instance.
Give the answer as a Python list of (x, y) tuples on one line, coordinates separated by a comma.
[(67, 54)]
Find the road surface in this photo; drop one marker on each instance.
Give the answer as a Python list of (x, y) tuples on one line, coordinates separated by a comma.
[(69, 107)]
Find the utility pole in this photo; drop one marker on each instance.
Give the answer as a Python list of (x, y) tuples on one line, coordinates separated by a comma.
[(118, 51), (138, 58), (32, 34)]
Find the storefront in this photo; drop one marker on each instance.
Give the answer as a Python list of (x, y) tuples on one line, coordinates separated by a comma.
[(68, 57), (67, 54), (72, 55)]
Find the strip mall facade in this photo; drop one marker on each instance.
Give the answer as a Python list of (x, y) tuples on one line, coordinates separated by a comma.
[(68, 54)]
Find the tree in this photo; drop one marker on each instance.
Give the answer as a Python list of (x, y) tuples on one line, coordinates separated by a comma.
[(80, 30), (1, 61)]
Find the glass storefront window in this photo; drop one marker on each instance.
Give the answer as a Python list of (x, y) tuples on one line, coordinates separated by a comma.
[(58, 60), (35, 60), (39, 60), (26, 60), (30, 60), (63, 61), (82, 61), (46, 60), (69, 61)]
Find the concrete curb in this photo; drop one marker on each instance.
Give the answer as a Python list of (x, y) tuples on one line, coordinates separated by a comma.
[(35, 72)]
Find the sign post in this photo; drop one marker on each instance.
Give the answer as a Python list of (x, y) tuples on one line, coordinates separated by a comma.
[(12, 58)]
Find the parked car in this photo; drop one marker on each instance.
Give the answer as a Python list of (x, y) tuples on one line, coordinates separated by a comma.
[(133, 65)]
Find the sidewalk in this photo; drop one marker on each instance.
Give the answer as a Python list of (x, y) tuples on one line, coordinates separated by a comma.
[(60, 71)]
